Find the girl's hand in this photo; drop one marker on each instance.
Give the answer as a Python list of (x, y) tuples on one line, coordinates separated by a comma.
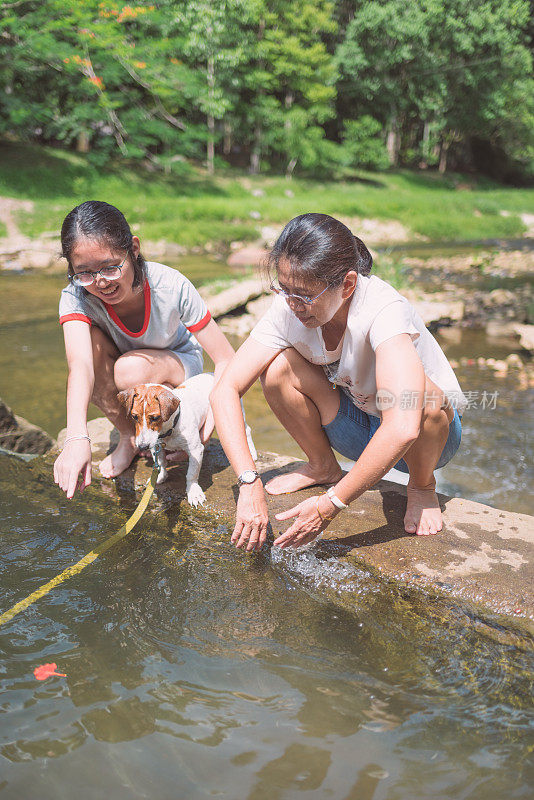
[(252, 517), (307, 526), (72, 468)]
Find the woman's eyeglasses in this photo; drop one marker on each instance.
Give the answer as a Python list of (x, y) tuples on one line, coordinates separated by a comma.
[(299, 298), (86, 278)]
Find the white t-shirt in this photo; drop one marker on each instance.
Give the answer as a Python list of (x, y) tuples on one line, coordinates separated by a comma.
[(376, 313), (174, 311)]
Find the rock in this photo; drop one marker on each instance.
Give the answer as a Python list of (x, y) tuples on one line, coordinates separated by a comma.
[(235, 297), (41, 259), (526, 336), (513, 360), (22, 254), (500, 329), (528, 221), (237, 326), (435, 311), (500, 297), (20, 436), (451, 335), (162, 251), (270, 233), (242, 325), (251, 256), (104, 437), (257, 308)]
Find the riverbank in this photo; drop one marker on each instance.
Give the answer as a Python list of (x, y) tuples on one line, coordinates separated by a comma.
[(195, 210)]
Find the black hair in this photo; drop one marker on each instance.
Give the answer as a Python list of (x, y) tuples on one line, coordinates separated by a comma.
[(95, 219), (320, 247)]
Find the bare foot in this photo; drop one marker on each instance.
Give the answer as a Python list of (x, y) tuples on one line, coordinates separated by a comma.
[(301, 478), (423, 514), (120, 459)]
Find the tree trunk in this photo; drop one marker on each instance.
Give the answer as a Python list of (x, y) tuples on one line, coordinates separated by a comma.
[(423, 164), (255, 156), (210, 150), (82, 142), (227, 141), (392, 142), (445, 144), (290, 168), (287, 125)]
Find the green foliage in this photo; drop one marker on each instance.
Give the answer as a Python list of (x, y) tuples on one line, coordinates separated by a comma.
[(363, 143), (309, 86)]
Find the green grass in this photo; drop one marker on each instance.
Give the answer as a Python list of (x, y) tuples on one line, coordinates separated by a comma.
[(192, 209)]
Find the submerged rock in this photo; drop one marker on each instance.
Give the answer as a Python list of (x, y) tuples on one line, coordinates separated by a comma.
[(19, 436)]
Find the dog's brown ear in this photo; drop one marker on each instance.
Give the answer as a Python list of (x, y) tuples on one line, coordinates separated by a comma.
[(126, 399), (168, 403)]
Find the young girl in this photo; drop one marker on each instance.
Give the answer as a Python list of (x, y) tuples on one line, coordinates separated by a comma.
[(125, 321), (346, 363)]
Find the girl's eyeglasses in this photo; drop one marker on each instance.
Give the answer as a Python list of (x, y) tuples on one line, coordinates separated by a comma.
[(299, 298), (86, 278)]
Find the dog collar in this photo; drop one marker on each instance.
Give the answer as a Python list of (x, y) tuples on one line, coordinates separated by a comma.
[(168, 433)]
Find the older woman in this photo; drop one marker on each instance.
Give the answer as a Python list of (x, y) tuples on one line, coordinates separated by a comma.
[(345, 363)]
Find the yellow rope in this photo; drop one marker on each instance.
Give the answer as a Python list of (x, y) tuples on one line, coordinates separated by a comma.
[(89, 558)]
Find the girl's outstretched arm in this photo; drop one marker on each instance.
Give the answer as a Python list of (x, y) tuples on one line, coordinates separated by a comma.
[(72, 468)]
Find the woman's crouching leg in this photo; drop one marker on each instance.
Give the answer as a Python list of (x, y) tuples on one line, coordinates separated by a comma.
[(303, 400), (423, 512)]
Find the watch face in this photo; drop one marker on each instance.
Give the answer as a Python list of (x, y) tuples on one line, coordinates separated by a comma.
[(248, 476)]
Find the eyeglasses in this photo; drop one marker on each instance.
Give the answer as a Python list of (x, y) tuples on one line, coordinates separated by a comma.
[(86, 278), (299, 298)]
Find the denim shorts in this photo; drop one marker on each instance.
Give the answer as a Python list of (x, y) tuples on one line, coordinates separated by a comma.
[(351, 430)]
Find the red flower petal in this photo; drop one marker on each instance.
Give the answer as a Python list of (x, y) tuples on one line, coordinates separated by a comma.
[(45, 670)]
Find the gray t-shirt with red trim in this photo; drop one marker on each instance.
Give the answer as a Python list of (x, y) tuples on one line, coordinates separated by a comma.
[(174, 311)]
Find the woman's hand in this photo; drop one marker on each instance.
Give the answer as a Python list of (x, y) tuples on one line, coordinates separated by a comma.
[(72, 468), (252, 517), (308, 522)]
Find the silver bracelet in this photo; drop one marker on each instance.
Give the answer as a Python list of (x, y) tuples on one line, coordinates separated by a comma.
[(81, 436), (334, 499)]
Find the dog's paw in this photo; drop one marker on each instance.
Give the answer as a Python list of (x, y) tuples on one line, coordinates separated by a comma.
[(195, 495), (163, 475)]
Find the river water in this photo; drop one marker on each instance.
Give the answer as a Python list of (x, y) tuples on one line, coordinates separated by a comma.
[(194, 670)]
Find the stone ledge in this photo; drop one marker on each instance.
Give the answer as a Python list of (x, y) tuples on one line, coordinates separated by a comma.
[(483, 556)]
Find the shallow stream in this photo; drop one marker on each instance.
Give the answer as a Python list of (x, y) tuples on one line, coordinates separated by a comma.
[(194, 671)]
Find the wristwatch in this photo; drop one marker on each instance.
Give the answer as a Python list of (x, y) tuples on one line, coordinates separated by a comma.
[(248, 476)]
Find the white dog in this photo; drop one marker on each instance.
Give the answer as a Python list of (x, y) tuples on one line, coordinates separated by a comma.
[(171, 419)]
